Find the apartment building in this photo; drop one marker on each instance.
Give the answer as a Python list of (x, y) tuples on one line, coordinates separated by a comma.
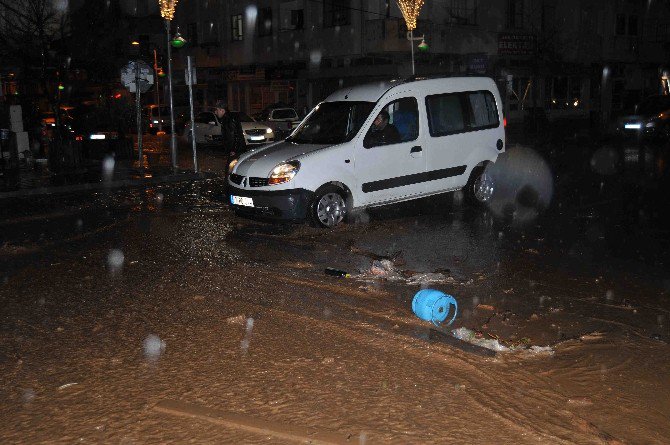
[(573, 58)]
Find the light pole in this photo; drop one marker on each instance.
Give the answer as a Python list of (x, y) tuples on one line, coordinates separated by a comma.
[(410, 11), (167, 12), (158, 98)]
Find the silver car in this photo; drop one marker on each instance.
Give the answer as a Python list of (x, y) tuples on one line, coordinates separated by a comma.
[(208, 129)]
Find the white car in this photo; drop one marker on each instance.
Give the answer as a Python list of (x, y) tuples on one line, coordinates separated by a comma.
[(281, 120), (208, 129), (446, 131)]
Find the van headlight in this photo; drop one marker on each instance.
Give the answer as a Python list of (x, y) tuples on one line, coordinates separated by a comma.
[(283, 172), (232, 165)]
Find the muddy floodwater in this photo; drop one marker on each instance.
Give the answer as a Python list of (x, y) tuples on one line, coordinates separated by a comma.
[(158, 316)]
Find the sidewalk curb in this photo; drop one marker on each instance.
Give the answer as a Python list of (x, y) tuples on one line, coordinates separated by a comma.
[(179, 177)]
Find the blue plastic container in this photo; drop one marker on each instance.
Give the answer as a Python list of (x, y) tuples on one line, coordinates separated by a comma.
[(434, 306)]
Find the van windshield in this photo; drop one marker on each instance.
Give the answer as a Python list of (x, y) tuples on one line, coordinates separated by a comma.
[(332, 123)]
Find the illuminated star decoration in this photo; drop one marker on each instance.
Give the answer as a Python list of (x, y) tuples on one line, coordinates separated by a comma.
[(167, 8), (410, 11)]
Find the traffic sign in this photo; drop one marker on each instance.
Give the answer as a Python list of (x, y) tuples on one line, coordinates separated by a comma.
[(129, 75)]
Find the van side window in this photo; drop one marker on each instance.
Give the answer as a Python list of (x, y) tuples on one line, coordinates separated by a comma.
[(445, 114), (460, 112), (402, 125), (484, 112)]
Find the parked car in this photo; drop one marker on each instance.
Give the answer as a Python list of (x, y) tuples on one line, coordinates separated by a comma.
[(650, 118), (208, 129), (158, 118), (448, 130), (101, 134), (281, 120)]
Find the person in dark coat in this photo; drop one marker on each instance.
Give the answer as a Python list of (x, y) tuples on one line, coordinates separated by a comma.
[(383, 133), (232, 135)]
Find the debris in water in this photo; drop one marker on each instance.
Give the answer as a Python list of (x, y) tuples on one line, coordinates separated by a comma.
[(434, 306), (428, 278), (236, 320), (336, 272), (493, 343), (580, 401), (485, 307), (67, 385)]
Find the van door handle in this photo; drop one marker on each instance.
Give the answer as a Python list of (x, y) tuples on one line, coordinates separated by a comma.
[(416, 149)]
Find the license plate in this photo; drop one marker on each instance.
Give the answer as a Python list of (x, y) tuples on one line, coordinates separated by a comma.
[(257, 138), (241, 201), (632, 126)]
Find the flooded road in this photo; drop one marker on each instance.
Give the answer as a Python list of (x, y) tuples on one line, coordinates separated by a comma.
[(118, 303)]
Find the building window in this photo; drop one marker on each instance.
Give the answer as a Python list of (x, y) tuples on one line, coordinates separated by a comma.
[(515, 14), (236, 27), (336, 12), (290, 16), (632, 25), (297, 19), (462, 12), (192, 34), (210, 32), (620, 24), (264, 22)]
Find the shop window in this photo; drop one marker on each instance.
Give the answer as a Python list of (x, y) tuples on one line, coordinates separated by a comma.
[(462, 12), (336, 12), (236, 27)]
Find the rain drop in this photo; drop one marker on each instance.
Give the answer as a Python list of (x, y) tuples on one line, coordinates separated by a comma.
[(115, 260), (108, 168), (153, 347)]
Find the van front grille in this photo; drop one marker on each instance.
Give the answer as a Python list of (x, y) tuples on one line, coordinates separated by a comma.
[(258, 182), (236, 179)]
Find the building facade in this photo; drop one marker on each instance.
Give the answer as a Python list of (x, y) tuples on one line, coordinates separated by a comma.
[(584, 59)]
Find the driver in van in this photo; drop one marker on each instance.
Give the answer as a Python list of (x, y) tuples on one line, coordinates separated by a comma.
[(383, 133)]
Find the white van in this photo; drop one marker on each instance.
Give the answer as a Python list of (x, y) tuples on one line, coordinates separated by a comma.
[(449, 129)]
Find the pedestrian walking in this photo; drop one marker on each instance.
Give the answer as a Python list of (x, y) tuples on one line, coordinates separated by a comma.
[(231, 132)]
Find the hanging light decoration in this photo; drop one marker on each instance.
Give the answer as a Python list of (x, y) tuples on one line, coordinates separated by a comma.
[(167, 8), (410, 11)]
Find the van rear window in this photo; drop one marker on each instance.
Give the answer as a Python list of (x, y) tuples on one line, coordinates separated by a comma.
[(461, 112)]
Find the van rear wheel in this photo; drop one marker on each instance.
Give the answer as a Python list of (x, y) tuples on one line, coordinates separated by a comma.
[(329, 207), (480, 187)]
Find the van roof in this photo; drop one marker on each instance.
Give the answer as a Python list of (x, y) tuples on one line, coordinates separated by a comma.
[(372, 92)]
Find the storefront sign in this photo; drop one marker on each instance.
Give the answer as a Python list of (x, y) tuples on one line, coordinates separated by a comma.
[(511, 44)]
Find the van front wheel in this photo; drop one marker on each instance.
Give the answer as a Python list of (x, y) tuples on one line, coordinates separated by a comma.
[(329, 206)]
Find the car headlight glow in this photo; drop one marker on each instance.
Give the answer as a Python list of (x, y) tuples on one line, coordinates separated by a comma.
[(651, 124), (232, 165), (269, 130), (283, 172)]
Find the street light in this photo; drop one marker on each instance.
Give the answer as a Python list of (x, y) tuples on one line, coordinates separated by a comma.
[(178, 41), (167, 12), (410, 11)]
